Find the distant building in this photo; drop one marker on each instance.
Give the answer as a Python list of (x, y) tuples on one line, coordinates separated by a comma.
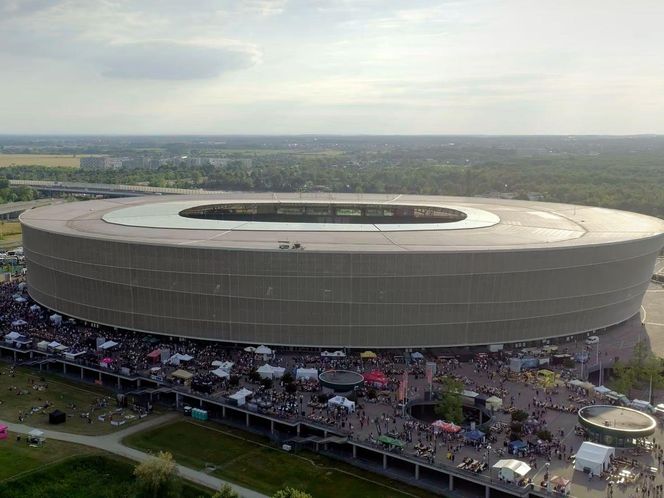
[(100, 162)]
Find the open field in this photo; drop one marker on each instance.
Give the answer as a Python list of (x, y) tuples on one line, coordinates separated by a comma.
[(67, 161), (10, 234), (35, 391), (17, 458), (247, 460), (95, 476)]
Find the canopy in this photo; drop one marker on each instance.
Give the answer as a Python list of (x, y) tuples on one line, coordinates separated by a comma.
[(250, 349), (448, 427), (42, 345), (469, 394), (278, 372), (367, 354), (224, 365), (602, 389), (20, 299), (263, 350), (241, 396), (306, 373), (155, 355), (375, 377), (36, 433), (334, 354), (221, 373), (341, 401), (266, 371), (108, 345), (559, 481), (177, 358), (494, 402), (475, 435), (417, 355), (12, 335), (62, 347), (517, 443), (511, 469), (593, 457), (107, 360), (216, 363), (54, 344), (34, 308), (390, 441), (182, 374), (18, 323), (585, 385), (55, 319)]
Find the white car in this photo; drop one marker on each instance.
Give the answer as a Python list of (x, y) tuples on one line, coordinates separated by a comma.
[(593, 339)]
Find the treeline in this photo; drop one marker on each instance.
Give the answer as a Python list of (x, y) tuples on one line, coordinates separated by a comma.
[(623, 181)]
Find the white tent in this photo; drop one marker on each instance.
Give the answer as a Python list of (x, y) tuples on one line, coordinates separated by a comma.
[(221, 373), (306, 373), (36, 433), (54, 344), (108, 345), (22, 286), (20, 299), (217, 363), (250, 349), (241, 396), (593, 457), (264, 350), (494, 402), (470, 394), (226, 365), (12, 336), (341, 401), (266, 371), (35, 308), (177, 358), (278, 372), (42, 345), (511, 470), (602, 389), (18, 323), (417, 356), (334, 354), (56, 319)]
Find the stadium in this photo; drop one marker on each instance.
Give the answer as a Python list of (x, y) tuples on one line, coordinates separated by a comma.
[(341, 270)]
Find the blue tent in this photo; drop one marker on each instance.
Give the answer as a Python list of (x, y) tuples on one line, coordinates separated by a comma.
[(515, 446), (475, 435)]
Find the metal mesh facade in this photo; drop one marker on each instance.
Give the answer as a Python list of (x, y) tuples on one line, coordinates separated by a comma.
[(345, 299)]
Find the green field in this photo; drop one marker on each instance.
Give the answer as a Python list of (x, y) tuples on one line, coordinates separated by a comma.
[(248, 461), (83, 477), (17, 458), (60, 393), (10, 234), (53, 160)]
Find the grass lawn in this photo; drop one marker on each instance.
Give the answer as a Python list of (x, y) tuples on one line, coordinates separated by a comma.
[(61, 393), (16, 457), (96, 476), (56, 160), (10, 234), (246, 459)]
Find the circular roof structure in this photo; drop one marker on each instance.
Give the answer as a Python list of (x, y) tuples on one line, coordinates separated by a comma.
[(343, 222), (340, 380), (617, 421)]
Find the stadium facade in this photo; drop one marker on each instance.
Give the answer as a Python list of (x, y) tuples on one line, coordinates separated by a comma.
[(339, 270)]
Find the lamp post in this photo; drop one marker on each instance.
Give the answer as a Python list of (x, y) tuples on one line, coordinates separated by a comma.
[(488, 459)]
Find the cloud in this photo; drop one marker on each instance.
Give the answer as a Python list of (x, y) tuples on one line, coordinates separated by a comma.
[(168, 60)]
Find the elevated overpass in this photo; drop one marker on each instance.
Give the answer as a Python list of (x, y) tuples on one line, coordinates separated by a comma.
[(109, 190)]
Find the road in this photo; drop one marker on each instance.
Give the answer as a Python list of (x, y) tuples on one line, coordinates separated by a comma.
[(113, 444)]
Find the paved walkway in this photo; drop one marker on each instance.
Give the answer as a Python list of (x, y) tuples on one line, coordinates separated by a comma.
[(113, 444)]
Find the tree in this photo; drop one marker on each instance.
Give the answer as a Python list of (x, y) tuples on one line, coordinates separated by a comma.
[(291, 493), (226, 491), (519, 416), (450, 407), (157, 477)]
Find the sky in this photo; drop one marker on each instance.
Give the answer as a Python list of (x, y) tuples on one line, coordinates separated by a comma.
[(331, 67)]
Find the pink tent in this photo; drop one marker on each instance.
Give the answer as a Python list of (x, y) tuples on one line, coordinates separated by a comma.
[(3, 431), (155, 355), (107, 360), (375, 378), (450, 427)]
